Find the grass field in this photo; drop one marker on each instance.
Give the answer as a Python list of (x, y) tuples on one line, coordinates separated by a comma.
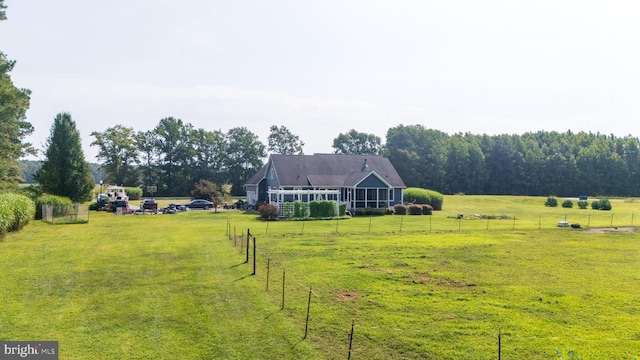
[(428, 287)]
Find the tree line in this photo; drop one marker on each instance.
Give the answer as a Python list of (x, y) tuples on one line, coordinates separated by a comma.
[(538, 163)]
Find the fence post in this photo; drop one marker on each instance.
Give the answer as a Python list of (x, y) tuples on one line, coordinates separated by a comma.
[(242, 242), (514, 222), (337, 225), (283, 278), (370, 217), (268, 272), (631, 219), (246, 260), (401, 221), (611, 219), (499, 344), (254, 256), (302, 232), (539, 222), (234, 235), (306, 326), (430, 218), (459, 222), (267, 231), (351, 339), (487, 222), (589, 221)]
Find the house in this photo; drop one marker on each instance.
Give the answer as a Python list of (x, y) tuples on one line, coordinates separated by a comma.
[(359, 181)]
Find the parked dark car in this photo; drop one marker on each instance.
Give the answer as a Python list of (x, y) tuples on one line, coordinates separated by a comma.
[(199, 204), (149, 204)]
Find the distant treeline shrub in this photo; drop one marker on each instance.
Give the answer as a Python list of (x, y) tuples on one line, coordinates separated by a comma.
[(582, 204), (552, 201), (567, 204), (15, 212), (415, 195), (134, 193), (60, 203)]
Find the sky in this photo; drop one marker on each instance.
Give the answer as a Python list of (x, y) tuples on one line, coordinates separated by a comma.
[(322, 68)]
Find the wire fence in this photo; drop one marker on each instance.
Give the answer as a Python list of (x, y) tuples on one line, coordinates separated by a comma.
[(64, 214), (300, 298)]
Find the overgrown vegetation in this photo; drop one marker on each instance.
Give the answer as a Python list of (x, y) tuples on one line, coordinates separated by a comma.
[(16, 211), (60, 203)]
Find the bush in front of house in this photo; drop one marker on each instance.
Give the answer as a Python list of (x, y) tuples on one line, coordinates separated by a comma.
[(300, 210), (427, 209), (288, 210), (369, 212), (60, 203), (567, 204), (400, 209), (415, 209), (551, 202), (322, 209), (424, 196), (268, 211), (15, 212), (583, 204), (342, 210)]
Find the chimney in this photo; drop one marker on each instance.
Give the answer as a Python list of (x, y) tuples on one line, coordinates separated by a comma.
[(365, 165)]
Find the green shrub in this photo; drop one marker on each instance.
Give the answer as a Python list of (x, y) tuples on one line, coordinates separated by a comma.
[(322, 209), (551, 202), (415, 209), (342, 210), (15, 212), (369, 212), (300, 210), (582, 204), (567, 204), (134, 193), (424, 196), (288, 210), (268, 211), (400, 209), (59, 202), (595, 205), (427, 209), (605, 204)]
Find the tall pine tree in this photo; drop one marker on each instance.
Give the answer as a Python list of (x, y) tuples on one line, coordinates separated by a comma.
[(65, 171)]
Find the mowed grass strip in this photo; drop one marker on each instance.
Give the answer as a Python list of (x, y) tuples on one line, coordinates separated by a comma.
[(139, 287)]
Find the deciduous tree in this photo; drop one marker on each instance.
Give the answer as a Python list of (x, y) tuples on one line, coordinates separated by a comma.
[(282, 141), (119, 153), (357, 143)]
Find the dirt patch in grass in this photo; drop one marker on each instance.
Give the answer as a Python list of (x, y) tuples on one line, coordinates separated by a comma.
[(609, 229), (346, 296)]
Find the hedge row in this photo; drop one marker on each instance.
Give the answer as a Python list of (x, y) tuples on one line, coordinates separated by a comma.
[(134, 193), (414, 195), (15, 212)]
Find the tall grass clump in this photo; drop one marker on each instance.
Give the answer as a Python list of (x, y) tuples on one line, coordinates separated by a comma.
[(424, 196), (59, 202), (133, 193), (15, 212)]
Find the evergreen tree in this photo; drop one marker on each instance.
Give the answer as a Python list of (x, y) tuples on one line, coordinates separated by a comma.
[(65, 171)]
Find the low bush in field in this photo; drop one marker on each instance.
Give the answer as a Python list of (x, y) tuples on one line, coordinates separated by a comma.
[(424, 196), (15, 212), (567, 204), (268, 211), (583, 204), (59, 202), (551, 202), (400, 209), (427, 209), (602, 204)]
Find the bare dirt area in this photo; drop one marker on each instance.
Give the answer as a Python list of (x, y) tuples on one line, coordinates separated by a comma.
[(609, 229)]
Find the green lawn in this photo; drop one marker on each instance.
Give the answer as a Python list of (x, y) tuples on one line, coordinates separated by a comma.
[(428, 287)]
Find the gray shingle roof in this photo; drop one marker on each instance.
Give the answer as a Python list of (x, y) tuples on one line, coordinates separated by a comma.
[(329, 170)]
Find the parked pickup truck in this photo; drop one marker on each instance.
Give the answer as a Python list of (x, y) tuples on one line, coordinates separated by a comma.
[(149, 205)]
